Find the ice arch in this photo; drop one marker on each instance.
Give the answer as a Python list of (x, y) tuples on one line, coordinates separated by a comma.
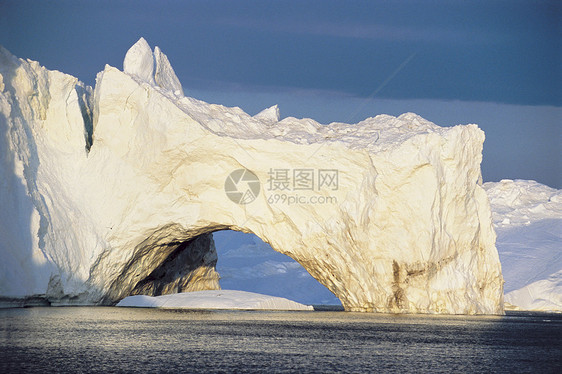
[(163, 265), (388, 213)]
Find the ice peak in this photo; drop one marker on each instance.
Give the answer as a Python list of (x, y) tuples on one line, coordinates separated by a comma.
[(153, 68), (165, 76), (139, 61), (270, 114)]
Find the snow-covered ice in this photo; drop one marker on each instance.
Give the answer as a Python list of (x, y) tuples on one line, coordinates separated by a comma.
[(115, 191), (528, 221), (214, 299)]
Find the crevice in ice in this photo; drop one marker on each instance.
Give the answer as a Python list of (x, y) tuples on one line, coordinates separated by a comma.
[(84, 100)]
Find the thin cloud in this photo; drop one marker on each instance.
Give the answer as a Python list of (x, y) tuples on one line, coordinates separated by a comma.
[(365, 31)]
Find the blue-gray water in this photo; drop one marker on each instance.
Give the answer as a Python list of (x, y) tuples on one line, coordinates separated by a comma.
[(105, 339)]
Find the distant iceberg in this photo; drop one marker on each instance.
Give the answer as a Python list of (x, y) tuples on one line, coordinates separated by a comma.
[(527, 218)]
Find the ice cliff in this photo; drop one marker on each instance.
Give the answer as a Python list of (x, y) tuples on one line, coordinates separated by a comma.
[(116, 191)]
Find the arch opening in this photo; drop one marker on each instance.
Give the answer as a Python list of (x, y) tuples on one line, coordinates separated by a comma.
[(172, 261), (247, 263)]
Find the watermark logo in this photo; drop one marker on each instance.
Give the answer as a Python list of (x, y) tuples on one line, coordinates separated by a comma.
[(242, 186), (302, 179), (284, 186), (292, 199)]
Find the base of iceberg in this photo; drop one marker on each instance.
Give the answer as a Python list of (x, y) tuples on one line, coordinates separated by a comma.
[(214, 299)]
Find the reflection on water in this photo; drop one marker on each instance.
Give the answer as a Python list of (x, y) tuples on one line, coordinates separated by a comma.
[(105, 339)]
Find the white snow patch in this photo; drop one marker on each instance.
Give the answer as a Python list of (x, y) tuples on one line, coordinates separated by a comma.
[(214, 299)]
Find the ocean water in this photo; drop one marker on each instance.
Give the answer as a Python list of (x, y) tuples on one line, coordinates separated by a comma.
[(110, 339)]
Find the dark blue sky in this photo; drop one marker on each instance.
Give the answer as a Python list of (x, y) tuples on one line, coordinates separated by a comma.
[(502, 52)]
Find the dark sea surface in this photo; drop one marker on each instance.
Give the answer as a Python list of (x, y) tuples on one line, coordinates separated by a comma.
[(111, 339)]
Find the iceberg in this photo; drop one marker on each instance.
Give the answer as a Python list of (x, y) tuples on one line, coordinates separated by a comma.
[(115, 191)]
